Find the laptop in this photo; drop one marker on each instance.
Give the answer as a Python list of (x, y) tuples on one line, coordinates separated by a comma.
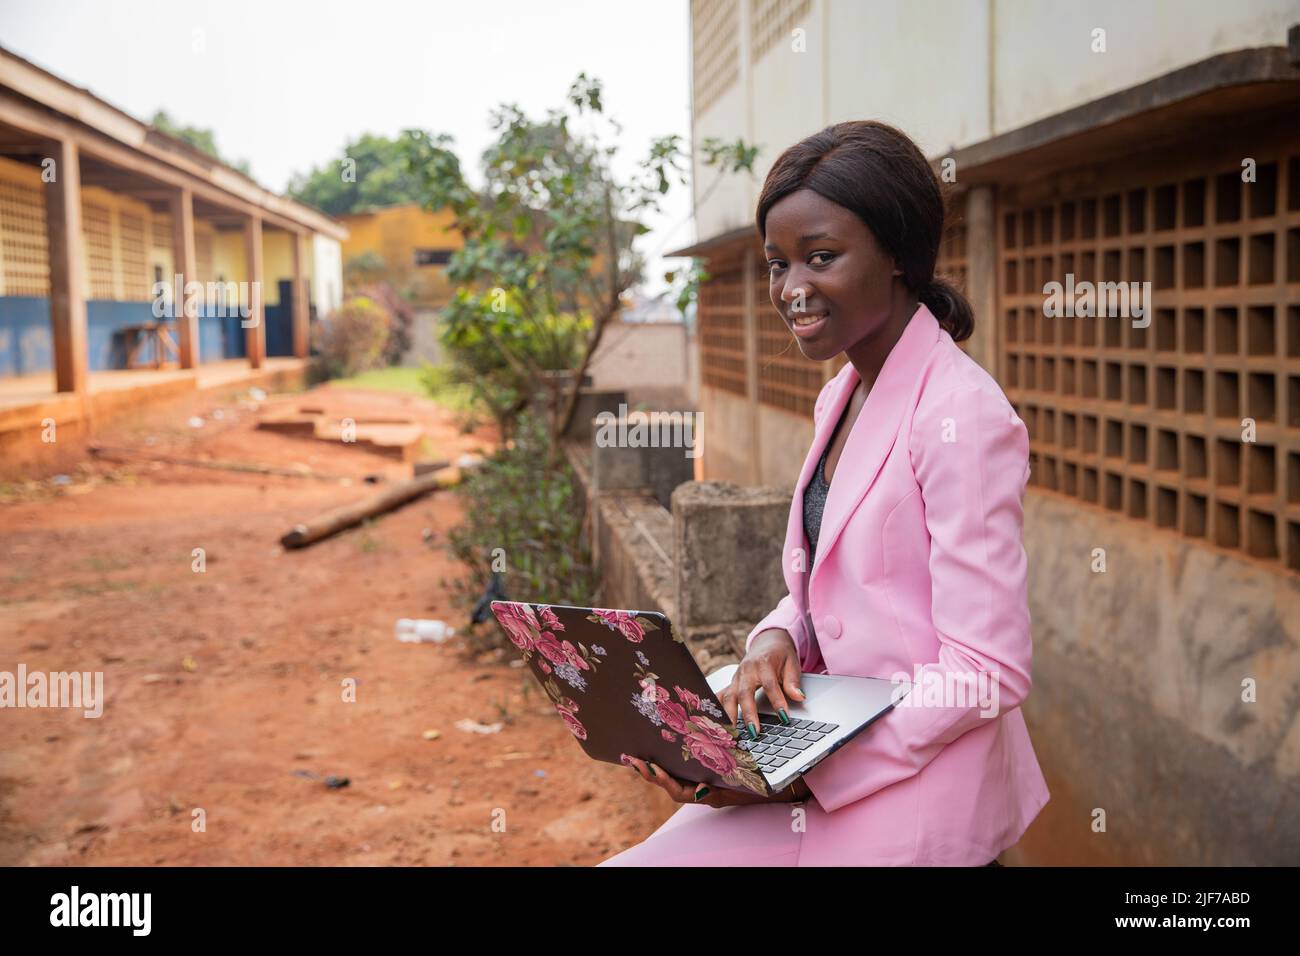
[(624, 682)]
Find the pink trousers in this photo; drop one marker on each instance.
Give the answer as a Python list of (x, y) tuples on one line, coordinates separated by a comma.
[(760, 834)]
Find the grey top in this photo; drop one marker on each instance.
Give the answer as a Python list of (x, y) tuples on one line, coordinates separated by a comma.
[(814, 502), (814, 495)]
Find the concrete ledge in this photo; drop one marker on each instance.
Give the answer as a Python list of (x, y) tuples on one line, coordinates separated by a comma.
[(728, 544), (113, 394), (633, 537), (643, 450), (578, 455), (718, 645), (637, 547), (591, 402)]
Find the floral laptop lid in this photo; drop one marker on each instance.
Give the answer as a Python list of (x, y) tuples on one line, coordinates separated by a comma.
[(625, 683)]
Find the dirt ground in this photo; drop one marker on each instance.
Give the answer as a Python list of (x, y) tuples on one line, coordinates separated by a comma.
[(225, 689)]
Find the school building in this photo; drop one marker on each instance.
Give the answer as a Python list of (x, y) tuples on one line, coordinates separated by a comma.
[(1101, 142), (98, 213)]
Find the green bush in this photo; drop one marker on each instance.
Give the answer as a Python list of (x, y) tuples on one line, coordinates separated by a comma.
[(352, 339), (534, 516)]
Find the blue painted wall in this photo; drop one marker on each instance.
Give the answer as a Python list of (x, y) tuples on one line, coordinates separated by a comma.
[(25, 335), (25, 343)]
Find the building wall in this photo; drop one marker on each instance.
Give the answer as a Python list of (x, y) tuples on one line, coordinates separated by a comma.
[(722, 200), (394, 234), (125, 244), (641, 356), (949, 74), (277, 262), (723, 458), (930, 77), (123, 240), (1034, 79)]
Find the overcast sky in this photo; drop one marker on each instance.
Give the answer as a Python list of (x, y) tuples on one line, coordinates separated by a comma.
[(285, 83)]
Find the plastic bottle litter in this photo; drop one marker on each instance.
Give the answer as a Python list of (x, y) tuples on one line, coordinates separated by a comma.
[(411, 631)]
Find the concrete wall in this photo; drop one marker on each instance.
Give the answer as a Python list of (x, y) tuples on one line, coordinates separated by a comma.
[(693, 383), (727, 421), (642, 356), (1136, 706), (951, 74), (783, 442), (922, 66), (1043, 61), (729, 204), (732, 452)]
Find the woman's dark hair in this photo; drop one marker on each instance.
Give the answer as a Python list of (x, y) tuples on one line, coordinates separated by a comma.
[(878, 173)]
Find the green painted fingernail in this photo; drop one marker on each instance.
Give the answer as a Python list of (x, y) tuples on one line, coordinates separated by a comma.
[(703, 792), (652, 770), (784, 718), (753, 734)]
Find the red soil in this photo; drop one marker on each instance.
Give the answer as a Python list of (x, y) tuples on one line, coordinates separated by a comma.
[(224, 690)]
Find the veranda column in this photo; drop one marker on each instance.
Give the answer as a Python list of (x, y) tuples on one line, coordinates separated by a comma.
[(186, 309), (67, 269), (255, 324)]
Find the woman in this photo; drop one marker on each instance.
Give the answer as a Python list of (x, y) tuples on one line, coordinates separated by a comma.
[(910, 505)]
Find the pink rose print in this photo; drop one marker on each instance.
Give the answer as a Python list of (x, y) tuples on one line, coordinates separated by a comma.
[(707, 752), (624, 623), (709, 730), (668, 737), (521, 625), (573, 657), (673, 714), (625, 760), (566, 707), (545, 667), (550, 647), (690, 700), (711, 745), (652, 691), (549, 620), (575, 727)]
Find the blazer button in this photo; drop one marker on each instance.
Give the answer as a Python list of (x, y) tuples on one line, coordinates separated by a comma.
[(830, 626)]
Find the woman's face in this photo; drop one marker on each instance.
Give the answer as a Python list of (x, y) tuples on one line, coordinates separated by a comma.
[(847, 279)]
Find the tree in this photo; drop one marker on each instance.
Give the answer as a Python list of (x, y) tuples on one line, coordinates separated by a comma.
[(547, 249), (371, 172), (201, 139)]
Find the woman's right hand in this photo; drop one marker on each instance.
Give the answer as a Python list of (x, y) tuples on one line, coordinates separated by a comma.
[(771, 663)]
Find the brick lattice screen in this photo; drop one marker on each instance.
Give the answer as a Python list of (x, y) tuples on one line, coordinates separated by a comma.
[(786, 379), (721, 314), (1147, 422)]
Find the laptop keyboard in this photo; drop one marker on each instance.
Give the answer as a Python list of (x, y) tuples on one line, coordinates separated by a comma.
[(779, 743)]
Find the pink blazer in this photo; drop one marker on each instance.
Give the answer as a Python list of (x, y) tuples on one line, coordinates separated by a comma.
[(920, 572)]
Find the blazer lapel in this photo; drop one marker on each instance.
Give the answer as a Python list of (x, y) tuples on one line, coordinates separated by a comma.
[(873, 432)]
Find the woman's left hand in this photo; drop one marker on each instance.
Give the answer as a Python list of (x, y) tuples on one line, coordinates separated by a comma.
[(683, 791)]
